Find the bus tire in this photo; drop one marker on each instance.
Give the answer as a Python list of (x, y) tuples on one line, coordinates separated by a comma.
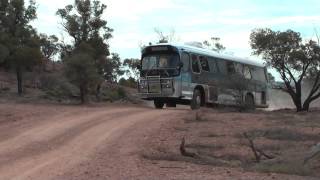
[(158, 104), (249, 102), (196, 100)]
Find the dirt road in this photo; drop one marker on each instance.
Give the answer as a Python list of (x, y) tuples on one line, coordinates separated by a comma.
[(56, 142), (44, 142)]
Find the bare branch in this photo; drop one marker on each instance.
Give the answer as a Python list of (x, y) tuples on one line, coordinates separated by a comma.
[(183, 150), (317, 35), (253, 149), (290, 73), (315, 97), (258, 153), (315, 87)]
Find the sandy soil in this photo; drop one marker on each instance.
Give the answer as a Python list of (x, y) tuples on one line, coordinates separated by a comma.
[(40, 141)]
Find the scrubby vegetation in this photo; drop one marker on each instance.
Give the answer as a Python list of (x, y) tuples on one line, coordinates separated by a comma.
[(77, 70), (248, 141)]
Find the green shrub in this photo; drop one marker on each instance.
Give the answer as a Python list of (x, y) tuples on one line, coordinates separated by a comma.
[(131, 82), (57, 86), (113, 94)]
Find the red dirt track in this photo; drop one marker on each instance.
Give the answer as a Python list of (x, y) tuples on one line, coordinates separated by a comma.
[(41, 141)]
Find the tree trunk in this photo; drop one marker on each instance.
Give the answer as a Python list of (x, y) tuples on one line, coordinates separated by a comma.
[(306, 105), (98, 92), (299, 95), (296, 97), (83, 94), (19, 80), (297, 103)]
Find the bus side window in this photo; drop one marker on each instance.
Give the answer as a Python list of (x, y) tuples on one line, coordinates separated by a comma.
[(258, 73), (247, 72), (222, 66), (195, 64), (185, 58), (239, 68), (230, 68), (213, 65), (204, 64)]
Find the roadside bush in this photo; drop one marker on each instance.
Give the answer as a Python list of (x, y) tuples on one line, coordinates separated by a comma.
[(114, 93), (131, 82), (57, 86)]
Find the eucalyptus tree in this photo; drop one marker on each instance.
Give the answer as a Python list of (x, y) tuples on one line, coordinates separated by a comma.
[(19, 42), (83, 22), (294, 59)]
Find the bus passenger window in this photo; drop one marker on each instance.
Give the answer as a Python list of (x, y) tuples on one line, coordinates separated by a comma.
[(213, 65), (247, 72), (186, 61), (239, 68), (222, 66), (258, 73), (204, 64), (230, 68), (195, 64)]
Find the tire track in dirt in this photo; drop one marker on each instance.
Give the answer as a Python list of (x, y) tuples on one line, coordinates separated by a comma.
[(126, 150), (19, 124), (56, 125), (79, 148), (45, 145)]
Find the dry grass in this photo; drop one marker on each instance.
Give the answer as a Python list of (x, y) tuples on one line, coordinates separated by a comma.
[(216, 136), (295, 168), (283, 134), (199, 146), (196, 118)]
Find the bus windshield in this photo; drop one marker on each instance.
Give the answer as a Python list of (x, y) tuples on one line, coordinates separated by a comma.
[(160, 61)]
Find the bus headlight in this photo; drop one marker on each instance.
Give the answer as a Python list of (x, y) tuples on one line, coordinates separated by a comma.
[(166, 83), (164, 86), (143, 84)]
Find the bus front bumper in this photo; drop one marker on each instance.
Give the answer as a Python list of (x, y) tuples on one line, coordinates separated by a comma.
[(156, 87)]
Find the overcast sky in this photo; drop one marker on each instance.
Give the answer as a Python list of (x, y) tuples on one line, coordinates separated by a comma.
[(134, 21)]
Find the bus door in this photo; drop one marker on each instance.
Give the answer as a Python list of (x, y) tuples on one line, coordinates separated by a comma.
[(195, 66), (186, 76)]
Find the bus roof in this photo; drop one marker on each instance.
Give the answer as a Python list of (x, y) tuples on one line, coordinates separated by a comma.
[(198, 50)]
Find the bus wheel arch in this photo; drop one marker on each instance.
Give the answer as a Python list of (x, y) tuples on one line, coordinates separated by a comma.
[(249, 101), (203, 94), (198, 98), (158, 104)]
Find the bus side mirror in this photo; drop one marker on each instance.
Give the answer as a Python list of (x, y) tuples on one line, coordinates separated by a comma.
[(180, 65), (139, 67)]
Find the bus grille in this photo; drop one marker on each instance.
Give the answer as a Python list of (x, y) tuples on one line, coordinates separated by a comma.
[(155, 85)]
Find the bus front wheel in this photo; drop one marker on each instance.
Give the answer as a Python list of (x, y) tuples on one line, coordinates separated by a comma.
[(196, 100), (158, 104)]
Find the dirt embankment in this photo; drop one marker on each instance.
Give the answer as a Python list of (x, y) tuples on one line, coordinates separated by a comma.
[(126, 142)]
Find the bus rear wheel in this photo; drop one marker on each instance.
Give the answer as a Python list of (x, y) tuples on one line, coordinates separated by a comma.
[(196, 100), (158, 104)]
